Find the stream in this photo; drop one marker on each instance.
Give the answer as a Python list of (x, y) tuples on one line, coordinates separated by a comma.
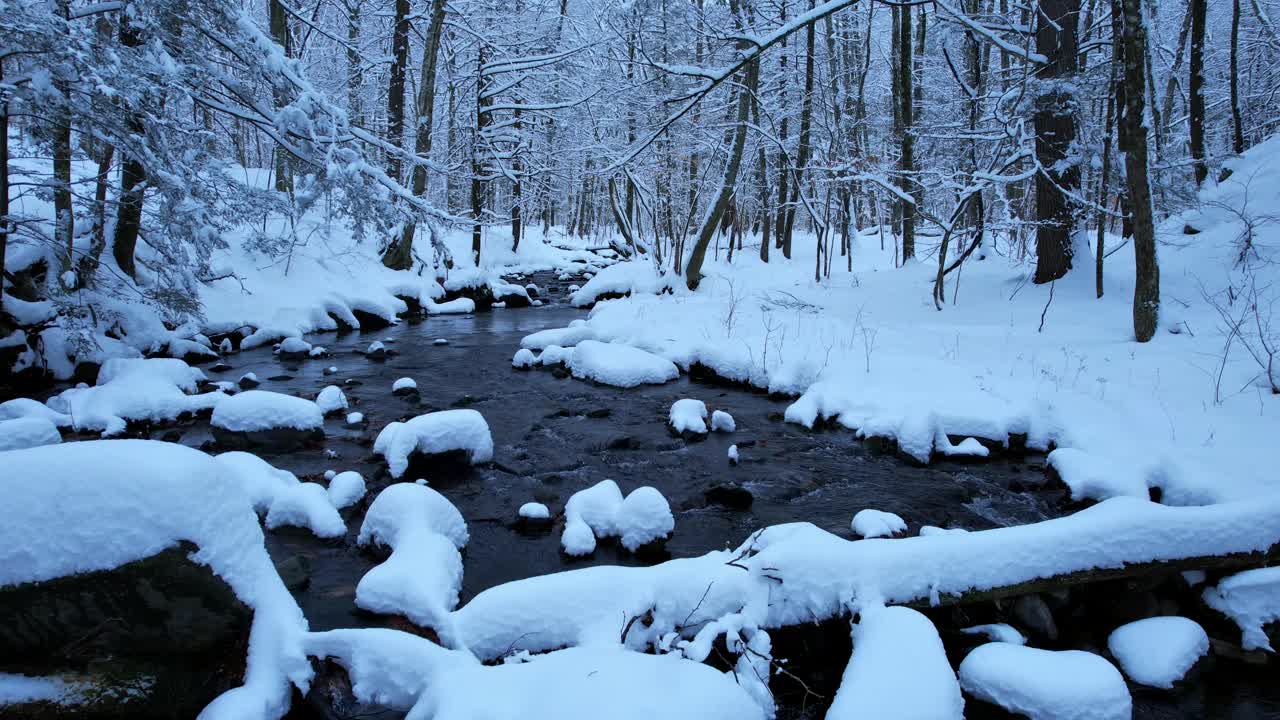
[(554, 436)]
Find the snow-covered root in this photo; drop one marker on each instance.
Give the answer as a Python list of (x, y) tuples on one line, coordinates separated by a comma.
[(423, 576)]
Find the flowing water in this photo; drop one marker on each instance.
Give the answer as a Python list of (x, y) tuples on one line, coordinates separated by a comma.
[(554, 436)]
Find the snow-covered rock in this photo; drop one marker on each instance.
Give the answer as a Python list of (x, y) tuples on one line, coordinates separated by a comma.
[(997, 632), (600, 511), (376, 350), (102, 504), (26, 432), (1046, 684), (899, 669), (555, 355), (534, 511), (281, 497), (1252, 599), (133, 389), (722, 421), (422, 577), (432, 434), (256, 410), (619, 365), (1158, 651), (331, 400), (733, 454), (346, 489), (1090, 476), (318, 351), (869, 523), (564, 337), (294, 347), (355, 419), (249, 381), (688, 415), (404, 386), (459, 306), (524, 359), (440, 341), (26, 407)]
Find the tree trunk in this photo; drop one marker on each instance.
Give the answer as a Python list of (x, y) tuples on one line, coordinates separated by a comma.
[(395, 86), (906, 107), (4, 181), (1055, 135), (806, 123), (64, 214), (1196, 101), (88, 265), (784, 162), (763, 161), (399, 256), (355, 71), (478, 165), (1133, 143), (1237, 124), (280, 33), (133, 177)]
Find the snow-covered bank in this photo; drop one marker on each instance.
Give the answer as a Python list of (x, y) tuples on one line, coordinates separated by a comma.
[(1189, 415)]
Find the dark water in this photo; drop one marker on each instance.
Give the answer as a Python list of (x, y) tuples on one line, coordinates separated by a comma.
[(554, 437)]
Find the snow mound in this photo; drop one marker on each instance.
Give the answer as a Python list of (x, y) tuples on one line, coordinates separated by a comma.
[(422, 577), (26, 407), (689, 415), (331, 400), (1252, 600), (1092, 477), (28, 432), (133, 389), (555, 355), (600, 511), (255, 410), (722, 421), (534, 511), (619, 365), (625, 278), (460, 306), (524, 359), (354, 418), (1046, 685), (100, 504), (564, 337), (433, 433), (997, 632), (346, 489), (871, 523), (733, 454), (404, 383), (1158, 651), (281, 496), (899, 669), (294, 346)]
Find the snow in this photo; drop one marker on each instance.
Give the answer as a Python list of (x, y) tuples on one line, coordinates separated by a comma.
[(871, 523), (688, 415), (346, 489), (331, 400), (733, 454), (440, 342), (422, 577), (899, 669), (375, 347), (101, 504), (433, 433), (404, 383), (564, 337), (534, 511), (28, 432), (26, 407), (555, 355), (997, 632), (294, 346), (1252, 600), (600, 511), (281, 497), (134, 390), (1158, 651), (1046, 685), (623, 278), (255, 410), (20, 689), (524, 359), (460, 306), (408, 673), (355, 418), (722, 421), (619, 365), (1092, 477), (318, 352)]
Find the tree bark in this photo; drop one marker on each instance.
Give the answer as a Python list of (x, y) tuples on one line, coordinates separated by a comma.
[(478, 165), (1237, 124), (906, 162), (1196, 101), (63, 212), (280, 33), (4, 181), (1133, 143), (355, 70), (88, 264), (399, 255), (395, 86), (806, 124), (133, 177), (1058, 179)]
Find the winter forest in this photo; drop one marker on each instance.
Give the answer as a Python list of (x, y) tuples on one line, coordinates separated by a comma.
[(635, 359)]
